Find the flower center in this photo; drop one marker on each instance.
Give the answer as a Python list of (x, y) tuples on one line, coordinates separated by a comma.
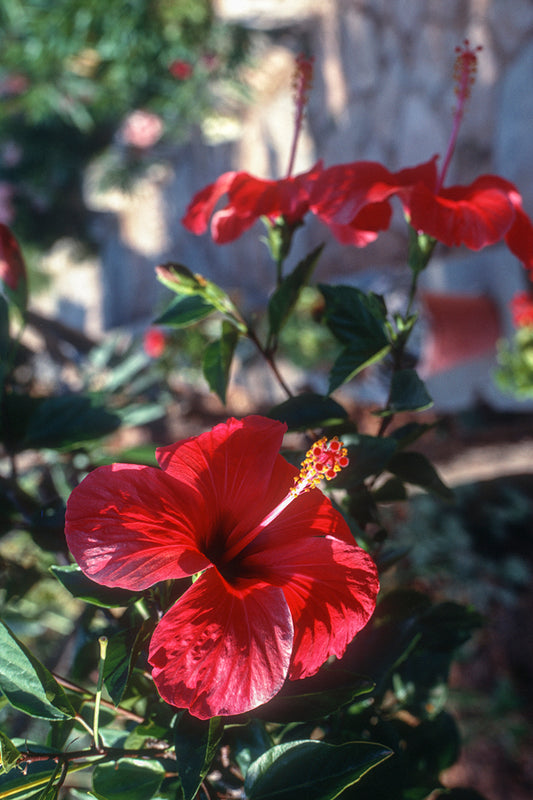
[(323, 461)]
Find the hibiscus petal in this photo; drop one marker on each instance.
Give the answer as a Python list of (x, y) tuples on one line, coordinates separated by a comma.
[(331, 589), (131, 526), (329, 582), (364, 228), (476, 215), (220, 652), (203, 203), (227, 225), (230, 466)]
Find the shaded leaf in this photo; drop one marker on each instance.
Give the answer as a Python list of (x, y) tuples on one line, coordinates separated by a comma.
[(357, 320), (311, 770), (314, 697), (217, 360), (27, 684), (353, 360), (123, 648), (408, 393), (65, 421), (196, 742), (309, 410), (416, 469), (369, 455), (79, 585), (286, 295), (128, 779)]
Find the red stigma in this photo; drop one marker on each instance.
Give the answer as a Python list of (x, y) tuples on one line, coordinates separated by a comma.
[(464, 70), (302, 81), (324, 460)]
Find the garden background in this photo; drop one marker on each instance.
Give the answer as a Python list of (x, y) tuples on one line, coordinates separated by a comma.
[(95, 207)]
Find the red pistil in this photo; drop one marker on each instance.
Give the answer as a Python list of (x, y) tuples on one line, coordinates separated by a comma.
[(464, 75), (323, 461), (302, 81)]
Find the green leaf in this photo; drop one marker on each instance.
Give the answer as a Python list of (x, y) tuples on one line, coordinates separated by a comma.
[(27, 684), (182, 281), (196, 742), (217, 360), (128, 779), (286, 295), (416, 469), (311, 770), (79, 585), (369, 455), (357, 320), (184, 311), (66, 421), (408, 393), (9, 755), (309, 410), (123, 649), (25, 785), (314, 697), (352, 361)]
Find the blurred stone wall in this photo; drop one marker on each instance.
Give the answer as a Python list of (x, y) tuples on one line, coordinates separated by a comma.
[(383, 90)]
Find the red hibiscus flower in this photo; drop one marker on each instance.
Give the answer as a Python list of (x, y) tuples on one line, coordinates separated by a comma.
[(248, 199), (282, 586)]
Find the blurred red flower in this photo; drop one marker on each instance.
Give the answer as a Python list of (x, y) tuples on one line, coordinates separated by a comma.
[(282, 586), (522, 309), (154, 342), (181, 70)]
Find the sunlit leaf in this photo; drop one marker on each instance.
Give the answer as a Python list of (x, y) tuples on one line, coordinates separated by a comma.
[(9, 755), (27, 684)]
